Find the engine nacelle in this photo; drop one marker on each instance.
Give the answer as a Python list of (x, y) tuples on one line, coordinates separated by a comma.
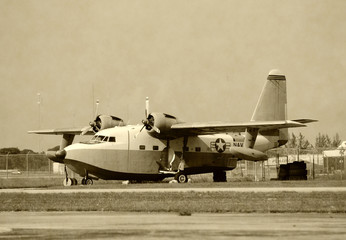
[(163, 122), (106, 121)]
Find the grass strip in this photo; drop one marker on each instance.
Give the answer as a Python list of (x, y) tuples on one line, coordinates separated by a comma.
[(186, 202)]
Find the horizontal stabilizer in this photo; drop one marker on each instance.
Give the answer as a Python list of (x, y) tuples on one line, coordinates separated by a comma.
[(305, 121)]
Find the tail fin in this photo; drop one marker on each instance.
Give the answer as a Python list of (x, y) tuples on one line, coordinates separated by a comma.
[(272, 104)]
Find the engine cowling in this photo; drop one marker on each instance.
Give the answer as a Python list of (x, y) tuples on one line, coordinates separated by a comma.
[(106, 121), (163, 123)]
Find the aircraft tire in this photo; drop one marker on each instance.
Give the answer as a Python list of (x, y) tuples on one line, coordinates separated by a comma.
[(89, 181), (83, 181), (181, 178), (74, 181), (67, 182)]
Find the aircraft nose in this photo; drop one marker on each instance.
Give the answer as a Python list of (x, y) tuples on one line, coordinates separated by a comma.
[(61, 154)]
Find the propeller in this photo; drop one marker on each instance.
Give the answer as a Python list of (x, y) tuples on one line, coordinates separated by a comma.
[(148, 122)]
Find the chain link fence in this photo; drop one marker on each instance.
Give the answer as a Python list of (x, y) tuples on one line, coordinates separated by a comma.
[(25, 165), (320, 163)]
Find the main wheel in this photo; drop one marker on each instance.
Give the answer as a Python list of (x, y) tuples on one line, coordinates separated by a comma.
[(74, 181), (89, 181), (67, 182), (181, 178)]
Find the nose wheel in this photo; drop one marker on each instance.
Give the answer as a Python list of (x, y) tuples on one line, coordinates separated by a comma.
[(69, 181)]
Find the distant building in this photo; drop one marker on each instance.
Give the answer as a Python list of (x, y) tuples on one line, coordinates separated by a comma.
[(334, 159)]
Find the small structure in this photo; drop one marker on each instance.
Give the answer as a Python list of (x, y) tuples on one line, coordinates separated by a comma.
[(293, 171), (334, 160)]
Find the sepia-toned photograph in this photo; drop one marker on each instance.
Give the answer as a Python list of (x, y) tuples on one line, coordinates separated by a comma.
[(162, 119)]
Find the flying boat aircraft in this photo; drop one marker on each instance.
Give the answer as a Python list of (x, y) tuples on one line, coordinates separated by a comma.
[(164, 146)]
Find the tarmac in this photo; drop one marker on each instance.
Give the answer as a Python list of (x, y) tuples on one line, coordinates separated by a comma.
[(115, 225), (121, 190), (123, 225)]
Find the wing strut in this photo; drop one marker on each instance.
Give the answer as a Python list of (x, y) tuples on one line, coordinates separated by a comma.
[(182, 161)]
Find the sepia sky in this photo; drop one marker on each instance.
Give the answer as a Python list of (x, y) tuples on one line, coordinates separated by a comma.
[(198, 60)]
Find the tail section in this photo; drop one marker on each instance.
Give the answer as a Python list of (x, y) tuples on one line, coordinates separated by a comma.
[(272, 103), (272, 106)]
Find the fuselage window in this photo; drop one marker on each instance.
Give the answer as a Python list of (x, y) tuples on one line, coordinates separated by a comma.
[(142, 147), (155, 147), (112, 139), (198, 149), (105, 139)]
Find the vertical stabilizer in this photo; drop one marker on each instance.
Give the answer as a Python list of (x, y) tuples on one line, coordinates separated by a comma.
[(272, 106), (272, 103)]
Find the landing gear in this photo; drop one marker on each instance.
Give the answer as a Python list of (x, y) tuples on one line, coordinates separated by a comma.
[(181, 177), (86, 180), (74, 181), (69, 181)]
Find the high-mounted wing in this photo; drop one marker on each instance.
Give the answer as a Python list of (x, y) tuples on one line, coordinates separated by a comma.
[(191, 129), (62, 131), (101, 122)]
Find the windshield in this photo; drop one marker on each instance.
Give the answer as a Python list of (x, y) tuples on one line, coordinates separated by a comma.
[(100, 138), (97, 138)]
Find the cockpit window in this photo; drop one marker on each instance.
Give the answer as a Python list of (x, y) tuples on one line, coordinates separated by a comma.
[(100, 138)]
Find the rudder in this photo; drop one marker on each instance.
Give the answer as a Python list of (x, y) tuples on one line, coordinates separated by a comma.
[(272, 103)]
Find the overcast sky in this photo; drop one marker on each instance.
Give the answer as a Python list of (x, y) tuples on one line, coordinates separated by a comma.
[(198, 60)]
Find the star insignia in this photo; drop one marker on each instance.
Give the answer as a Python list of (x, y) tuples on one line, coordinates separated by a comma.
[(220, 145)]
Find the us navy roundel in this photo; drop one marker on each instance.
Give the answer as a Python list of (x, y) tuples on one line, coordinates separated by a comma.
[(220, 145)]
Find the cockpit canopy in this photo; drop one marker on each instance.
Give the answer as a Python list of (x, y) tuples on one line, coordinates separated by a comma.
[(102, 138)]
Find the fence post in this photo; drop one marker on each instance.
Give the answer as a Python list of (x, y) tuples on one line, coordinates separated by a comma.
[(7, 165)]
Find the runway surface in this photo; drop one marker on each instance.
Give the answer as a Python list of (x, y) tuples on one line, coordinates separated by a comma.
[(121, 190), (110, 225)]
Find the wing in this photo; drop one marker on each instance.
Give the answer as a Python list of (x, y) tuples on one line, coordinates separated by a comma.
[(188, 129), (62, 131)]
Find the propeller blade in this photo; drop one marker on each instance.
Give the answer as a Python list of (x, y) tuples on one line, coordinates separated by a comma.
[(85, 130), (155, 129), (139, 131)]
